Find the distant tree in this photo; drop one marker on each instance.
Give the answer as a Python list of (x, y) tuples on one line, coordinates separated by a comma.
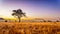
[(44, 21), (5, 20), (57, 21), (18, 13), (49, 21)]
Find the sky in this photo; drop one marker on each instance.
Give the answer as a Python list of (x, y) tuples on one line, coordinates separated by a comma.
[(32, 8)]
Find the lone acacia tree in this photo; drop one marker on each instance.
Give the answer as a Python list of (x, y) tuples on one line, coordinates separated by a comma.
[(18, 13)]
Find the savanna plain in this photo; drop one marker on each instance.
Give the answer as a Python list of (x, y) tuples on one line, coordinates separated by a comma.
[(30, 28)]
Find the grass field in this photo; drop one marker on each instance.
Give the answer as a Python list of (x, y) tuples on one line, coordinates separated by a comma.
[(30, 28)]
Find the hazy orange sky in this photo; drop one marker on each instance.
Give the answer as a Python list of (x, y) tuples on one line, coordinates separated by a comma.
[(33, 8)]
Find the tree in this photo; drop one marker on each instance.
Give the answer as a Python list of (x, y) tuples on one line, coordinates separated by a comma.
[(18, 13), (57, 20), (49, 21)]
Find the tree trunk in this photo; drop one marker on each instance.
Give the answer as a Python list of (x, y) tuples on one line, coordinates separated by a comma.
[(19, 19)]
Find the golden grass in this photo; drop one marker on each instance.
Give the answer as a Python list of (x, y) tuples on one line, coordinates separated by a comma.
[(30, 28)]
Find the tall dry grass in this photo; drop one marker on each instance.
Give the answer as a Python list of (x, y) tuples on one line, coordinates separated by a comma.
[(30, 28)]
